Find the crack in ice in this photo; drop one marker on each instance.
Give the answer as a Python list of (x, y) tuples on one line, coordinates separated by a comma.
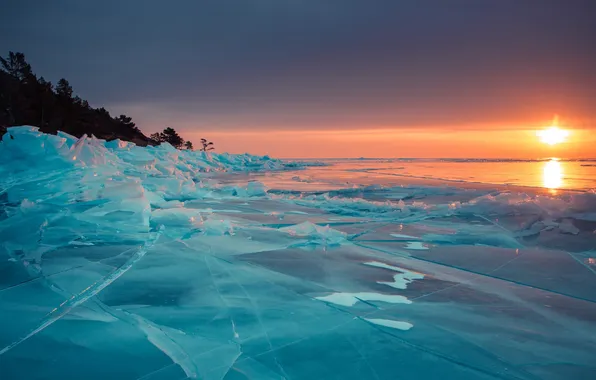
[(84, 295)]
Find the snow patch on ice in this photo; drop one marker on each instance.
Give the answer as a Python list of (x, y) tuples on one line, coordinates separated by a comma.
[(416, 246), (390, 323), (401, 279), (350, 299), (400, 236)]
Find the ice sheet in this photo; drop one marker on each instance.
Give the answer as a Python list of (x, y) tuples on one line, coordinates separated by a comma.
[(151, 263)]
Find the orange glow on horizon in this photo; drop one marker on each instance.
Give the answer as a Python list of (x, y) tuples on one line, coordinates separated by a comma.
[(516, 141), (390, 143), (499, 135)]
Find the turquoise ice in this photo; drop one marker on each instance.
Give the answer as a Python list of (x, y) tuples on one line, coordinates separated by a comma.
[(152, 263)]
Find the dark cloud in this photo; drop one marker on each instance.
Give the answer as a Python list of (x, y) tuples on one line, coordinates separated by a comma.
[(291, 63)]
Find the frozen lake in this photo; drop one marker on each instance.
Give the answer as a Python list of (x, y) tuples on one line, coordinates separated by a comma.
[(138, 264), (550, 174)]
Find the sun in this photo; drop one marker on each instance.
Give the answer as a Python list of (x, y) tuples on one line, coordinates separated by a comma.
[(553, 135)]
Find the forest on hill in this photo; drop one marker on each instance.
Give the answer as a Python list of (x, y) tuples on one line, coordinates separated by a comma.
[(26, 99)]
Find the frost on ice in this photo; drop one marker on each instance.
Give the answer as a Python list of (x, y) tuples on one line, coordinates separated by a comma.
[(124, 262)]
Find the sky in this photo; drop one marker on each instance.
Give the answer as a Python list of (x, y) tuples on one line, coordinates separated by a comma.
[(328, 78)]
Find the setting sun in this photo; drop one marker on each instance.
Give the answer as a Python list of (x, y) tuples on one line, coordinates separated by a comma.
[(553, 135)]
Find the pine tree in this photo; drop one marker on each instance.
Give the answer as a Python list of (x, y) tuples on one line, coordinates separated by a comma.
[(207, 145), (26, 99), (13, 94), (45, 101), (126, 122), (156, 137), (63, 89), (188, 145), (16, 66), (172, 137)]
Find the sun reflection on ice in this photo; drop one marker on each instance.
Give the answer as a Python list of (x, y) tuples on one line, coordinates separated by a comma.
[(553, 174)]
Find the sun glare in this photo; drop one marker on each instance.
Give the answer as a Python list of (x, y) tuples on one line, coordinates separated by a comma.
[(553, 135)]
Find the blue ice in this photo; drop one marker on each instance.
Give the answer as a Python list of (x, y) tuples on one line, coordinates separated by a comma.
[(124, 262)]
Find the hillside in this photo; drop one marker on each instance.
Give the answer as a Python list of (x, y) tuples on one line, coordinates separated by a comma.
[(26, 99)]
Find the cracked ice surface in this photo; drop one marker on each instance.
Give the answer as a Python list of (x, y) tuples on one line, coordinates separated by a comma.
[(151, 263)]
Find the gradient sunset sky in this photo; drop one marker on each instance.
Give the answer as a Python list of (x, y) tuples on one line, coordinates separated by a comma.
[(328, 78)]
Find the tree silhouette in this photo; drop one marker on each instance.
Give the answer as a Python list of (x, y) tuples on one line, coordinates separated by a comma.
[(207, 145), (16, 66), (26, 99), (66, 103), (170, 136), (63, 89), (156, 137), (18, 73), (126, 122), (44, 101), (103, 112)]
